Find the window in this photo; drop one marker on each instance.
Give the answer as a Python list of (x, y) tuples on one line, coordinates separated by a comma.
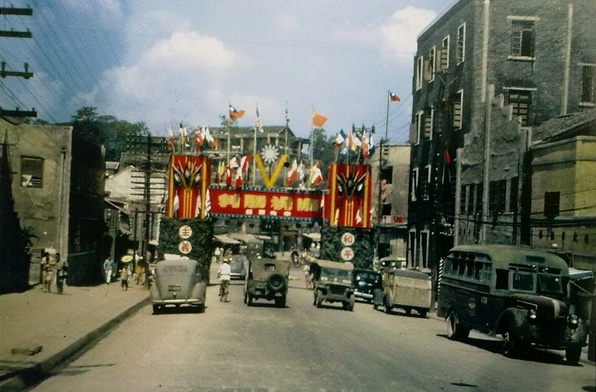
[(588, 85), (428, 123), (418, 126), (498, 192), (460, 51), (478, 203), (419, 72), (522, 38), (431, 64), (551, 204), (445, 53), (457, 109), (413, 184), (521, 101), (32, 172), (463, 198), (424, 183), (513, 194)]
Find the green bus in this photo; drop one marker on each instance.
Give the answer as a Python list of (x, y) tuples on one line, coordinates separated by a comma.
[(517, 292)]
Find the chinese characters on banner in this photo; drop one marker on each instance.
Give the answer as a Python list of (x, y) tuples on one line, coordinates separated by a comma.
[(188, 186), (349, 196)]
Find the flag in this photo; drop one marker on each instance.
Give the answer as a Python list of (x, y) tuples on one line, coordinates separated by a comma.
[(183, 138), (394, 97), (238, 179), (199, 138), (316, 175), (244, 161), (340, 138), (353, 141), (170, 140), (235, 114), (447, 157), (292, 174), (371, 145), (318, 120), (228, 179), (364, 145), (259, 123), (209, 139)]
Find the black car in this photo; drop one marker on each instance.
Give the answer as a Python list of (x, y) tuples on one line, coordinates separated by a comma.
[(365, 282)]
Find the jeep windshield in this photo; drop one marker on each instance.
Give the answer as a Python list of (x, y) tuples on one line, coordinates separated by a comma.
[(336, 275)]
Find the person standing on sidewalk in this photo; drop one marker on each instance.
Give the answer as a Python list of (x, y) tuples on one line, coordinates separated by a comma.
[(61, 273), (47, 265), (108, 267), (125, 274)]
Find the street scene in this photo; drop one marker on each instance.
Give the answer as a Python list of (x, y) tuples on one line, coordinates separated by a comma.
[(233, 347), (298, 196)]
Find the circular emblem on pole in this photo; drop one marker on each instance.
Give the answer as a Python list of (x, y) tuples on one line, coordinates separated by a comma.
[(185, 247), (270, 153), (348, 239), (185, 232), (347, 253)]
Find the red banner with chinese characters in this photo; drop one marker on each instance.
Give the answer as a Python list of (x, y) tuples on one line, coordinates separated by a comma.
[(349, 200), (188, 184), (290, 204)]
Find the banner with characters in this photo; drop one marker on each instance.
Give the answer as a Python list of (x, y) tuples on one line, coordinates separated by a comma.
[(349, 201), (188, 187)]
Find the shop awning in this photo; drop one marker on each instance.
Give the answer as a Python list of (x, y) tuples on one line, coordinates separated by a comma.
[(225, 239)]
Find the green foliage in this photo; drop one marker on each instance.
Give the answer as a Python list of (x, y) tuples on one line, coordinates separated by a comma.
[(201, 239), (113, 133), (363, 246)]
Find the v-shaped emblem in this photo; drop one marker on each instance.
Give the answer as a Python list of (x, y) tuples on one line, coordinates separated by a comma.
[(270, 181)]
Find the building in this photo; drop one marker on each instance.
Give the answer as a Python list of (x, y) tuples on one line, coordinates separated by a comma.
[(562, 203), (57, 187), (486, 73)]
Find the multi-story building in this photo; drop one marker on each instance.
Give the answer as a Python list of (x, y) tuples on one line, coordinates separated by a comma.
[(58, 189), (485, 74)]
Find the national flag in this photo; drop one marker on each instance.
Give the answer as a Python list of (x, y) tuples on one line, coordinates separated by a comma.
[(353, 141), (244, 162), (235, 114), (259, 123), (394, 97), (292, 174), (318, 120), (199, 139), (340, 138), (316, 176), (209, 139), (364, 145)]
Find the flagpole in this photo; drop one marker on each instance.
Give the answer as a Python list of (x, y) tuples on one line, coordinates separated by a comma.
[(387, 116), (254, 163)]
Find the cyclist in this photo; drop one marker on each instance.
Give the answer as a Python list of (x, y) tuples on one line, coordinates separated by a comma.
[(223, 274)]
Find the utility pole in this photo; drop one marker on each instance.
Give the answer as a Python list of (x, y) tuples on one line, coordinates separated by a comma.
[(11, 11), (145, 145)]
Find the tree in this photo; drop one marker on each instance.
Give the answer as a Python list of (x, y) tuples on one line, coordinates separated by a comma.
[(107, 130)]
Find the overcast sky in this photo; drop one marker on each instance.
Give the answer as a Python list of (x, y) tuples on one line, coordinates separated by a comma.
[(166, 62)]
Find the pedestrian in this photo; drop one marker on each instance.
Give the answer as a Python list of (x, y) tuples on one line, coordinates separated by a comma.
[(108, 267), (217, 254), (47, 265), (61, 274), (307, 279), (125, 274)]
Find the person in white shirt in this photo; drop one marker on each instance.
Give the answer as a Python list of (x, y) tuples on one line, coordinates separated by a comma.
[(223, 274)]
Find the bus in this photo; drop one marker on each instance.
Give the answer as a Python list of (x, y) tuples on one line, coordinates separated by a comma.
[(517, 292)]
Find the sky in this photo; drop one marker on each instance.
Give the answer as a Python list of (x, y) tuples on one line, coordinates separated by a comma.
[(185, 61)]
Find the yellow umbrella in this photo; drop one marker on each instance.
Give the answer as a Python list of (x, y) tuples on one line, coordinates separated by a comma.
[(126, 259)]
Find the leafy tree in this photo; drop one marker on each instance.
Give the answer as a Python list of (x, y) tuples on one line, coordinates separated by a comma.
[(108, 130)]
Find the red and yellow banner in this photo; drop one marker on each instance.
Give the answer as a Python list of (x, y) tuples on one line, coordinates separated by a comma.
[(349, 200), (254, 202), (188, 185)]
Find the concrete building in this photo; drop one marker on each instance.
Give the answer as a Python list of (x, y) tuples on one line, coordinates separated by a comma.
[(57, 186), (485, 74)]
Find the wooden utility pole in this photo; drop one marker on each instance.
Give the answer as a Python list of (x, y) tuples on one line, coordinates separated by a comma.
[(11, 11)]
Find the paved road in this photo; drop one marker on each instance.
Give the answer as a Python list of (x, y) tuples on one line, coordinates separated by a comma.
[(233, 347)]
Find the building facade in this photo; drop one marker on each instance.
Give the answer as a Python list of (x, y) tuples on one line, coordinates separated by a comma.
[(486, 73)]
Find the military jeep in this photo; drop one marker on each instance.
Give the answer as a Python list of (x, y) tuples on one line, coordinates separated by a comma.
[(333, 283), (267, 279)]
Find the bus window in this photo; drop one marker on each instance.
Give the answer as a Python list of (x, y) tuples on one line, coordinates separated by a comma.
[(522, 282), (550, 284), (502, 280)]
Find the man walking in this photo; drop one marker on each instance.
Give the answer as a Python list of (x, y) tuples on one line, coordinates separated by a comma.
[(108, 267)]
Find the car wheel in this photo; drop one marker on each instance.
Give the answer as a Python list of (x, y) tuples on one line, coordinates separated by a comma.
[(156, 309), (318, 300), (572, 354), (280, 302), (249, 300), (455, 331), (422, 312), (408, 311)]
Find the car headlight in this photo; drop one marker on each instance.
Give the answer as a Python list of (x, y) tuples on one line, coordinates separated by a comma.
[(573, 321), (532, 315)]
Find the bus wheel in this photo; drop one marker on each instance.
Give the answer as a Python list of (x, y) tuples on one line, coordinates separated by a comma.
[(572, 354), (455, 331)]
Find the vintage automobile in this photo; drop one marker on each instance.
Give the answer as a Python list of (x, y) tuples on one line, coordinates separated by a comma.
[(178, 282), (267, 279), (333, 283), (366, 281), (405, 289), (238, 265)]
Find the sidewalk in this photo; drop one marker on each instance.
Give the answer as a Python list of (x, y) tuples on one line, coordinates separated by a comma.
[(39, 330)]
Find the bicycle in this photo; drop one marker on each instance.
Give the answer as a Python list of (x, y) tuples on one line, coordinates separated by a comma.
[(224, 290)]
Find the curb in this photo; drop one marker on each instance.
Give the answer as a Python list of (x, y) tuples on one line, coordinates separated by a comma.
[(23, 378)]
